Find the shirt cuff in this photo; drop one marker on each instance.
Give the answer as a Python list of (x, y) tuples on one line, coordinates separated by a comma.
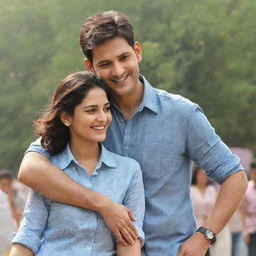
[(36, 146), (29, 241)]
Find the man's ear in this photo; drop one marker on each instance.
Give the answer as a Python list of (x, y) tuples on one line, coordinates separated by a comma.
[(88, 65), (138, 50)]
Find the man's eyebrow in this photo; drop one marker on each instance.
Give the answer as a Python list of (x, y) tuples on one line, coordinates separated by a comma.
[(107, 61)]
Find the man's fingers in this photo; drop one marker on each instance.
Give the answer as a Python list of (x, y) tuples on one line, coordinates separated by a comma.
[(133, 234), (120, 238), (127, 237), (131, 215)]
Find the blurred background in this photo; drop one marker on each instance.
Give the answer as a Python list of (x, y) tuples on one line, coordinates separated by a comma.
[(202, 49)]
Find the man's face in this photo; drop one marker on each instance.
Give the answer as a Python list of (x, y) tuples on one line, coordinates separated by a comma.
[(5, 184), (117, 63)]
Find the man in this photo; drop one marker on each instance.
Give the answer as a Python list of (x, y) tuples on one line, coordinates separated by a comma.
[(248, 208), (163, 132)]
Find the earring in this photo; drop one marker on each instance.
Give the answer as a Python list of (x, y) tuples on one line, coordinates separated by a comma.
[(67, 124)]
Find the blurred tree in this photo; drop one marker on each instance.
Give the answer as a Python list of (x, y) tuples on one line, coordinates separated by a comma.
[(202, 49)]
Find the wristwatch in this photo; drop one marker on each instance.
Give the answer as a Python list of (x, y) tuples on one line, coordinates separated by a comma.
[(208, 233)]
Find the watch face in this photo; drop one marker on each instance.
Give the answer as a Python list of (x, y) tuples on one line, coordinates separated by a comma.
[(209, 234)]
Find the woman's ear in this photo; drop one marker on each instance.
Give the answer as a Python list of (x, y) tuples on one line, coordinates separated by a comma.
[(65, 118)]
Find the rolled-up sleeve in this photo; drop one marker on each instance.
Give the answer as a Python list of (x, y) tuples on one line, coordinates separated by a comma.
[(37, 147), (135, 201), (207, 149), (30, 233)]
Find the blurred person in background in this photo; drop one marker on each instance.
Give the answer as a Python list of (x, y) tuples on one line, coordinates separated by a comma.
[(249, 212), (204, 194), (6, 184), (8, 212), (236, 228)]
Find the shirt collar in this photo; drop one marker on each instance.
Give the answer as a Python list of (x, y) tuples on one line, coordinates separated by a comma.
[(149, 99), (65, 157)]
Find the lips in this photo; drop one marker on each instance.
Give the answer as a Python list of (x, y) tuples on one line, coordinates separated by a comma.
[(120, 80), (99, 127)]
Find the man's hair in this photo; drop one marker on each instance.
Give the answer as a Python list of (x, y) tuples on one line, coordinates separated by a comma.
[(103, 26), (5, 174)]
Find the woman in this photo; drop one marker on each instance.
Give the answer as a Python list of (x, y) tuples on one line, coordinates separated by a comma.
[(72, 129)]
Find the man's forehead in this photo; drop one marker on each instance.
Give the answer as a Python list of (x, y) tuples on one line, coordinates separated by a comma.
[(110, 49)]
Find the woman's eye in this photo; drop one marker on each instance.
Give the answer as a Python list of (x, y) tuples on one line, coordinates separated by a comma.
[(92, 110), (107, 109)]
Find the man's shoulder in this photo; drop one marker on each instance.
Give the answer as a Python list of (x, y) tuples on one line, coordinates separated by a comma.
[(175, 102)]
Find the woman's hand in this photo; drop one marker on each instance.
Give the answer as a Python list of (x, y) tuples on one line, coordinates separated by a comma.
[(130, 250)]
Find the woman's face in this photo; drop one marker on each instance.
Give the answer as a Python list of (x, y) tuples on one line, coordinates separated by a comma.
[(91, 117), (202, 177)]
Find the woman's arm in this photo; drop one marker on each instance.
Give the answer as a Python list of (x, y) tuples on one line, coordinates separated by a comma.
[(130, 250), (37, 172), (32, 226), (20, 250)]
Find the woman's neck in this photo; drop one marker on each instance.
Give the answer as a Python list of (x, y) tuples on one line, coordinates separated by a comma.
[(86, 154), (201, 187)]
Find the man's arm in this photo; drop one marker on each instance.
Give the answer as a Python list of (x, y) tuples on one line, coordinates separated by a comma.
[(37, 172), (229, 197)]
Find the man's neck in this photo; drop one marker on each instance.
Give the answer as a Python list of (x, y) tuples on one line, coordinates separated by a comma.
[(129, 103)]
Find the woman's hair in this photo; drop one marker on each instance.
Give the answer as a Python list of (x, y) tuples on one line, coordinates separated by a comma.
[(69, 93), (194, 176)]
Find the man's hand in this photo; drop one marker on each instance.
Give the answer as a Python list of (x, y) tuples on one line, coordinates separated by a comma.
[(119, 219), (196, 245)]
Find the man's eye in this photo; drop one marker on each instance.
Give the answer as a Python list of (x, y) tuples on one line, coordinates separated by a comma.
[(124, 57), (104, 65)]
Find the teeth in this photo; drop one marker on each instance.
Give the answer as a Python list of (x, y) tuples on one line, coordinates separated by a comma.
[(120, 80), (99, 128)]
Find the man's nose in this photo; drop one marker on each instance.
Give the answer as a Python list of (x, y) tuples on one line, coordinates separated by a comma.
[(117, 70)]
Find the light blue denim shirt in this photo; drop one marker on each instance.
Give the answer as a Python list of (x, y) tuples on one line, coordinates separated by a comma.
[(165, 133), (51, 228)]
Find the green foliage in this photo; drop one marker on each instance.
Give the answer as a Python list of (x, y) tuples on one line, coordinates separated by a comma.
[(202, 49)]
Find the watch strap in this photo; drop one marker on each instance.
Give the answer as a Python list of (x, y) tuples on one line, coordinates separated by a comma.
[(208, 233)]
